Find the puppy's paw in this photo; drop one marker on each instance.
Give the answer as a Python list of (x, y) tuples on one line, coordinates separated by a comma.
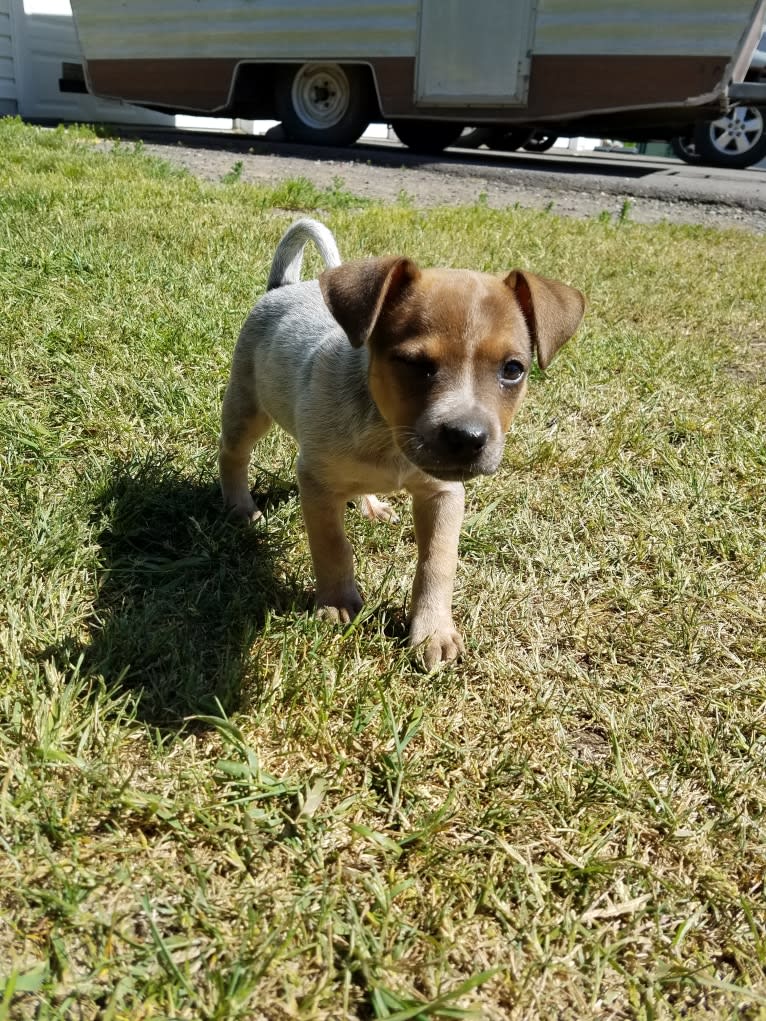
[(377, 510), (435, 643), (339, 607), (244, 510)]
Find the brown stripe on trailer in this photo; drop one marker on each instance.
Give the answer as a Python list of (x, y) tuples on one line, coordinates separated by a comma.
[(560, 85)]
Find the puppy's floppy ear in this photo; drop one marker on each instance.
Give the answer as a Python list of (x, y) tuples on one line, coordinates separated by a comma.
[(553, 311), (356, 292)]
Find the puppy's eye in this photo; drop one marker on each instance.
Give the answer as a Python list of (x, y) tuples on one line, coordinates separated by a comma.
[(419, 365), (512, 371)]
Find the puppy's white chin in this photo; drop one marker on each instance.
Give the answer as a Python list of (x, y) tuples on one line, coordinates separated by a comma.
[(445, 475), (459, 473)]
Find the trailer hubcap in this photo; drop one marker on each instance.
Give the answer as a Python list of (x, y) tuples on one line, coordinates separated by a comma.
[(321, 95)]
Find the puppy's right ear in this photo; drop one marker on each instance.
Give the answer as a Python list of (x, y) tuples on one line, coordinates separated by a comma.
[(553, 311), (356, 292)]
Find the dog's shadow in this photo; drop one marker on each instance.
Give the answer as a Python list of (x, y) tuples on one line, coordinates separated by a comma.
[(183, 592)]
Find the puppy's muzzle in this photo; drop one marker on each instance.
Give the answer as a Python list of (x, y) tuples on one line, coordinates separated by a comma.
[(458, 449)]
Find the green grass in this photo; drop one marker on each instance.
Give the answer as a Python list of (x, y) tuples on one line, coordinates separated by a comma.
[(213, 806)]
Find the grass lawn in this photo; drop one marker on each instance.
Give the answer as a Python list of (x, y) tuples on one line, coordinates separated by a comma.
[(214, 806)]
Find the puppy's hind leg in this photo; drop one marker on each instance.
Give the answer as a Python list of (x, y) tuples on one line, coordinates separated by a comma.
[(242, 424)]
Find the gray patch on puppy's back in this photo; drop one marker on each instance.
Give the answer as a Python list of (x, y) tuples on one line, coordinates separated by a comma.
[(298, 317), (289, 339)]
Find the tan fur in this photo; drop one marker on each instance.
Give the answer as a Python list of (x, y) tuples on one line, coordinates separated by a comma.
[(389, 376)]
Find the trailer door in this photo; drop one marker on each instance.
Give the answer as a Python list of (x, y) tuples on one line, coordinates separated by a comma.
[(476, 53)]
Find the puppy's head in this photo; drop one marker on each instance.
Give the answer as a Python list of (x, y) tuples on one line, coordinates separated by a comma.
[(450, 352)]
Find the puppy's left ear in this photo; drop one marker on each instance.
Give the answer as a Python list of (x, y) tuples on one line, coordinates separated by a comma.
[(357, 292), (553, 311)]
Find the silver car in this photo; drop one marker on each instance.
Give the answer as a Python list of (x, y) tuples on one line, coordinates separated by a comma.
[(738, 138)]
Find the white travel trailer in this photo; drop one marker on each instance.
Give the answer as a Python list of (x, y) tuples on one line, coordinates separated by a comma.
[(429, 67), (37, 41)]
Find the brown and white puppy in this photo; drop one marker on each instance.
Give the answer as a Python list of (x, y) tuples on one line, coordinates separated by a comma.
[(389, 377)]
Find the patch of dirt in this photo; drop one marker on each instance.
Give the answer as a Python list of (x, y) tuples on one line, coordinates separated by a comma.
[(751, 366)]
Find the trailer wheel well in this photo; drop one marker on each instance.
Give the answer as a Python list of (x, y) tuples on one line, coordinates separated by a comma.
[(252, 93), (254, 90)]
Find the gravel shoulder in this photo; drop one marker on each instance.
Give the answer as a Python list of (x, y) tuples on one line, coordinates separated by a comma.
[(394, 175)]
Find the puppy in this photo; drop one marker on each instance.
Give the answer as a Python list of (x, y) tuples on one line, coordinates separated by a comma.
[(389, 377)]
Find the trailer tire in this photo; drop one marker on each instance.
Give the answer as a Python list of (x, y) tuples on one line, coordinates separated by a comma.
[(498, 138), (323, 103), (512, 140), (475, 138), (427, 137), (540, 142)]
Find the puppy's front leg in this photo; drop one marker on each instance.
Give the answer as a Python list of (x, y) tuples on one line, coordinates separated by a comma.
[(337, 596), (438, 516)]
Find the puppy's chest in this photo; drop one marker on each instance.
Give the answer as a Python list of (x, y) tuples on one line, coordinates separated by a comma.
[(362, 472)]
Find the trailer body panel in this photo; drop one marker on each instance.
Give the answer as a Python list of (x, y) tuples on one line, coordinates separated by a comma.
[(490, 61)]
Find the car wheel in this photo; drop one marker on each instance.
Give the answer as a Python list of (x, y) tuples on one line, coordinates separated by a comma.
[(737, 139), (323, 104), (540, 142), (684, 148), (427, 137)]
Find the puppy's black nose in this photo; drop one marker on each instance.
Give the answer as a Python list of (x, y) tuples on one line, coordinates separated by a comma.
[(465, 439)]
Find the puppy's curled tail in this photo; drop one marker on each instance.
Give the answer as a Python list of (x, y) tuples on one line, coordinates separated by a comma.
[(288, 258)]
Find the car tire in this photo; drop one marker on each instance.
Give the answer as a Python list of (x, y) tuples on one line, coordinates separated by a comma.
[(736, 140), (427, 137), (322, 103), (684, 149)]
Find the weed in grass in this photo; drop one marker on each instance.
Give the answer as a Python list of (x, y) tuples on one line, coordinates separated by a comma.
[(624, 214), (571, 823), (300, 193), (235, 174), (340, 195)]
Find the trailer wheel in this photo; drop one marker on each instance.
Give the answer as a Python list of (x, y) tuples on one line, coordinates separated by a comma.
[(512, 140), (540, 142), (474, 138), (427, 137), (501, 139), (323, 104)]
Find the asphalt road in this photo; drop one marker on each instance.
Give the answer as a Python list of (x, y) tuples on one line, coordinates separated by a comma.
[(657, 176)]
